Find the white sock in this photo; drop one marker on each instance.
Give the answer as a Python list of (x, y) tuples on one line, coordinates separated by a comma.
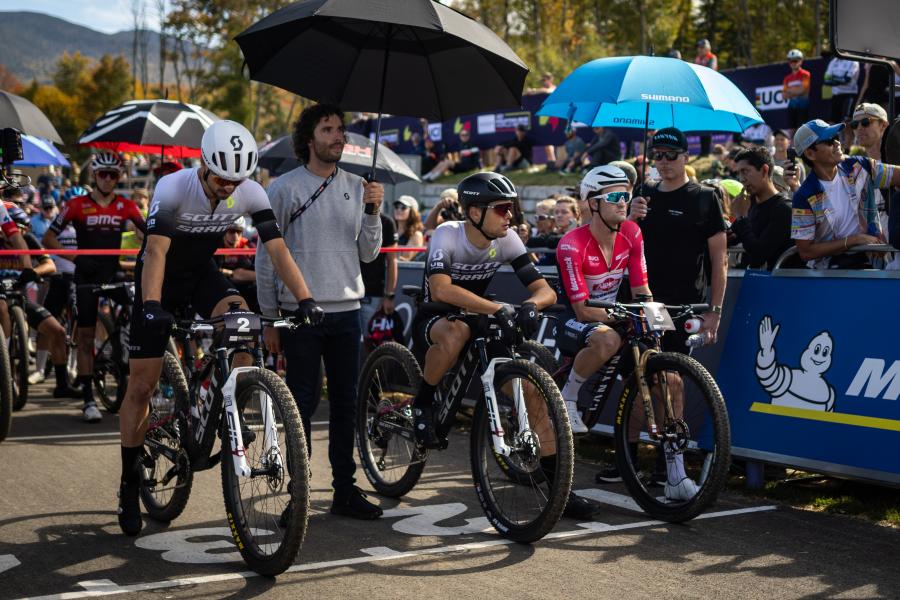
[(573, 385), (674, 466), (41, 360)]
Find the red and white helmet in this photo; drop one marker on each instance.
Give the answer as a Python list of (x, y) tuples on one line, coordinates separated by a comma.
[(107, 161), (229, 150)]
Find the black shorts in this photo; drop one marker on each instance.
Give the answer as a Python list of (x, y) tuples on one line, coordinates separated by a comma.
[(420, 334), (59, 293), (202, 291), (842, 107), (88, 275), (573, 335), (35, 314)]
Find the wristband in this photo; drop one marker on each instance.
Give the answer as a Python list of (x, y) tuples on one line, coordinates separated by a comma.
[(716, 308), (371, 209)]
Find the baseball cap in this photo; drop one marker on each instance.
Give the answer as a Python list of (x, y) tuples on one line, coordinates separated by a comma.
[(814, 131), (48, 202), (867, 109), (409, 201), (669, 137), (703, 42)]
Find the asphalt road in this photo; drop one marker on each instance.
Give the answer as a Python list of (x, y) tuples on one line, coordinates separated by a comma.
[(59, 538)]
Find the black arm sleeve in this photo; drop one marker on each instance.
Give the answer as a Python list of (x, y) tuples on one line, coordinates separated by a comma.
[(525, 270), (894, 221), (266, 225)]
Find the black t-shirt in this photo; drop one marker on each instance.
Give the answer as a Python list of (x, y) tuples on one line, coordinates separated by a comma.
[(525, 146), (374, 273), (676, 233), (469, 156), (766, 232)]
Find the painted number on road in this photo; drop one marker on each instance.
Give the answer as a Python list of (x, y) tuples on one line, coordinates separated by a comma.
[(7, 562), (194, 546), (423, 520)]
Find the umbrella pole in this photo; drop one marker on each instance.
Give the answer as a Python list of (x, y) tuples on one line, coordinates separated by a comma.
[(387, 54), (644, 162)]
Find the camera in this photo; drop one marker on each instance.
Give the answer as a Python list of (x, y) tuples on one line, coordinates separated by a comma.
[(10, 146), (452, 213)]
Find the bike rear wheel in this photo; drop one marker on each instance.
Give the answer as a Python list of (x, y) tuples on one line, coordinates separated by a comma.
[(18, 356), (166, 475), (6, 389), (700, 435), (110, 370), (524, 511), (391, 459), (268, 511)]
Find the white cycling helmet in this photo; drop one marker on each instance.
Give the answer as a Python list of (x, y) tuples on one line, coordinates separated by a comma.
[(107, 161), (229, 150), (603, 177), (795, 54)]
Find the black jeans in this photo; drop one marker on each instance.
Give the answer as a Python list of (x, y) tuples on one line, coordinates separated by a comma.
[(337, 341)]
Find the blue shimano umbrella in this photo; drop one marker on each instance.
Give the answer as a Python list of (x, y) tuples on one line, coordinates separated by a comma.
[(39, 152), (651, 92)]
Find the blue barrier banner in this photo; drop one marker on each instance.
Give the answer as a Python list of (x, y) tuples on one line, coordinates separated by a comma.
[(811, 373)]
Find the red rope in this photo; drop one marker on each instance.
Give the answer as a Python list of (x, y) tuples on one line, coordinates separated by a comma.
[(133, 251)]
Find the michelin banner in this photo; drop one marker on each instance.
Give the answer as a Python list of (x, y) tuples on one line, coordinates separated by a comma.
[(811, 373)]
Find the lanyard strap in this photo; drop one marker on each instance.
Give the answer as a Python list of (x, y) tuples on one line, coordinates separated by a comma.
[(313, 198)]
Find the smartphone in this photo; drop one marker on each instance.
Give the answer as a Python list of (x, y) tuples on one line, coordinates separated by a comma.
[(792, 155)]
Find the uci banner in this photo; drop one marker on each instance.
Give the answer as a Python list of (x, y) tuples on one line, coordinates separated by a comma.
[(808, 377)]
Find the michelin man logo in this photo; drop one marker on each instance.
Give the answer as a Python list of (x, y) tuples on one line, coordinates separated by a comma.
[(797, 388)]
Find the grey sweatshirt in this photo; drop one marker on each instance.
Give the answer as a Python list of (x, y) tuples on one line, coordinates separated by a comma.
[(327, 241)]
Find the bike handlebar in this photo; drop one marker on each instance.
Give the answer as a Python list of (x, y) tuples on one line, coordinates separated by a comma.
[(681, 308)]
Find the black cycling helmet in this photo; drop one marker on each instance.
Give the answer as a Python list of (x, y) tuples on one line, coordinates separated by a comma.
[(481, 189)]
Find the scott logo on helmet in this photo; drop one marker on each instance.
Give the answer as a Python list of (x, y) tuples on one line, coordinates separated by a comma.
[(236, 142)]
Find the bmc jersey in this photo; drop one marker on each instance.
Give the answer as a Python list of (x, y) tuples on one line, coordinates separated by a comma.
[(181, 211), (451, 253), (585, 273), (98, 226), (798, 80)]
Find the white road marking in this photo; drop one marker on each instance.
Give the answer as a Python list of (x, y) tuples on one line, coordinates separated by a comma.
[(422, 520), (8, 561), (377, 555), (75, 436), (611, 498)]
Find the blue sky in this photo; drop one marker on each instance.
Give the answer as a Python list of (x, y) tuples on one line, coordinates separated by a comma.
[(108, 16)]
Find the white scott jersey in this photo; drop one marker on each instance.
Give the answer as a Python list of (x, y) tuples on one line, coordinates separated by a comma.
[(181, 211), (451, 253)]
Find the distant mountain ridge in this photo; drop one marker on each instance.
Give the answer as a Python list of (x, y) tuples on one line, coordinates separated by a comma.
[(31, 43)]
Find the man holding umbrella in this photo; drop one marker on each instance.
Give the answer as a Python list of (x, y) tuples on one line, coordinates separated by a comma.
[(331, 223)]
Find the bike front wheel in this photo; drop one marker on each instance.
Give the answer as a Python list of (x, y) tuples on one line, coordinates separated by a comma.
[(391, 459), (166, 470), (525, 508), (694, 457), (267, 511), (110, 370), (6, 389), (18, 356)]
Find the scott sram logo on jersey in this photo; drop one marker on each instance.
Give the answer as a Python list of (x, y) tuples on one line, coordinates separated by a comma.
[(463, 272), (204, 223)]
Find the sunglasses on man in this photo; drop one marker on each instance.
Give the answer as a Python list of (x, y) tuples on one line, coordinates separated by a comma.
[(107, 174), (502, 208), (222, 182), (543, 217), (669, 155), (611, 197), (833, 141), (864, 122)]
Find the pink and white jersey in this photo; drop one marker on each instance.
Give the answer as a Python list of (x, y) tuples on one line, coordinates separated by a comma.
[(585, 273)]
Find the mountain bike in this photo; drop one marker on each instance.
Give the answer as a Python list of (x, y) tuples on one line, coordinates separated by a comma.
[(19, 354), (669, 404), (110, 374), (263, 454), (519, 415), (6, 389)]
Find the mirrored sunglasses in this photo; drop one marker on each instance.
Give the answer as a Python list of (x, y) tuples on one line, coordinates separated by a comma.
[(667, 154), (502, 208), (107, 174), (613, 197)]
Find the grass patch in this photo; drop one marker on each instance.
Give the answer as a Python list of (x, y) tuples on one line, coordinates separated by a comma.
[(538, 175)]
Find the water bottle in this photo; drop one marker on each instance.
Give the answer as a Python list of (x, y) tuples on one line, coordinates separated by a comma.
[(162, 404), (693, 325), (696, 340)]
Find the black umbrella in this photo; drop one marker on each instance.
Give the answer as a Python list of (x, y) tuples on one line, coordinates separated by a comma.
[(278, 157), (17, 112), (412, 57), (152, 127)]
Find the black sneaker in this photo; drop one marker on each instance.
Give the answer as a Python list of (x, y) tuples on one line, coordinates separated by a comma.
[(580, 508), (608, 474), (424, 427), (130, 509), (355, 506)]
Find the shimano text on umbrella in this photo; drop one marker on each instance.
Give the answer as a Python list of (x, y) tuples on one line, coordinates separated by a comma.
[(664, 98)]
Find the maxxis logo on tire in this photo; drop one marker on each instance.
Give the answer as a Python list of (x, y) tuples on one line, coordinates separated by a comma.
[(234, 532)]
